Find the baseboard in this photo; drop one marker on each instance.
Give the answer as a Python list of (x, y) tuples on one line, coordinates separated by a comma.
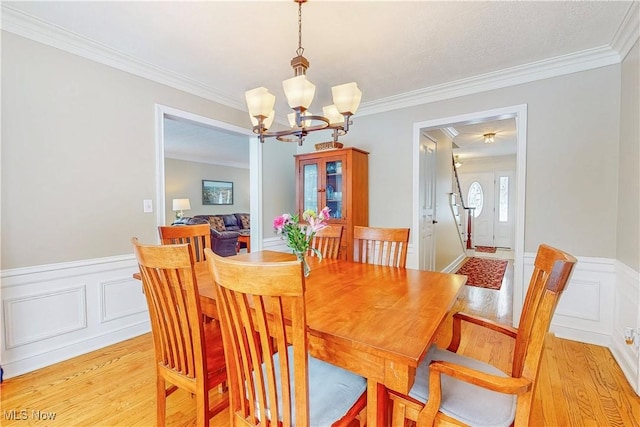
[(455, 264), (626, 309), (58, 311), (581, 335)]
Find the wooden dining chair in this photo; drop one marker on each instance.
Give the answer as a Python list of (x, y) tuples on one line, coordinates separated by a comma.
[(327, 241), (381, 246), (199, 236), (456, 389), (189, 353), (272, 378)]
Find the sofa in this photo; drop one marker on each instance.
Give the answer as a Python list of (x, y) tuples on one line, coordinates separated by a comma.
[(225, 230)]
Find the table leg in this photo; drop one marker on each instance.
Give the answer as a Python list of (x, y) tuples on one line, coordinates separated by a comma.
[(377, 404)]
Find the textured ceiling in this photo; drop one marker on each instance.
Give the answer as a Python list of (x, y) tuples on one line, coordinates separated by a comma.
[(390, 48)]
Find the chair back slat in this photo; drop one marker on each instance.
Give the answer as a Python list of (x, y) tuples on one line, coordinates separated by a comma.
[(552, 270), (172, 297), (198, 236), (327, 241), (262, 312), (381, 246)]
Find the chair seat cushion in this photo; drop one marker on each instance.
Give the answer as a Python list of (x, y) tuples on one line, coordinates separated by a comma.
[(332, 390), (463, 401)]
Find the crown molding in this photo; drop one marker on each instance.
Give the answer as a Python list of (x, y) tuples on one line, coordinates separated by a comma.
[(44, 32), (553, 67), (628, 32), (209, 160), (36, 29)]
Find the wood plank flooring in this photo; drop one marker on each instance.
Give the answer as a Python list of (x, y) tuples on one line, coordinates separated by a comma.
[(580, 385)]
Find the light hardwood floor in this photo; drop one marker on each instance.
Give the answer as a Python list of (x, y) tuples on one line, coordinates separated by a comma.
[(580, 384)]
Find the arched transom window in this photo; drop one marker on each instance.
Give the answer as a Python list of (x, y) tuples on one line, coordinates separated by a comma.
[(475, 198)]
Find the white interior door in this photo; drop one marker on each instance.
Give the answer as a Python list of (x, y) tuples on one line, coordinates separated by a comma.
[(427, 205), (479, 192)]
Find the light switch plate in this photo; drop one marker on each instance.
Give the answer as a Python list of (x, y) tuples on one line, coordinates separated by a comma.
[(147, 205)]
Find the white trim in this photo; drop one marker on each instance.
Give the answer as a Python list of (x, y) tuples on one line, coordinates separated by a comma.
[(188, 157), (455, 264), (70, 287), (520, 114), (255, 193), (33, 28), (585, 311), (552, 67), (629, 31), (255, 163), (627, 296), (41, 31)]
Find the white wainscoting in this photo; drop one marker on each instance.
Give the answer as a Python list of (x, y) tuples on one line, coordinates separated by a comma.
[(585, 309), (627, 314), (602, 297), (54, 312)]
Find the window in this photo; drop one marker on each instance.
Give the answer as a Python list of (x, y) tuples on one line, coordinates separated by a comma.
[(475, 198), (503, 201)]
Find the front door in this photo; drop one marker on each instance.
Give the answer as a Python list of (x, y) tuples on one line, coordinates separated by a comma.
[(478, 191)]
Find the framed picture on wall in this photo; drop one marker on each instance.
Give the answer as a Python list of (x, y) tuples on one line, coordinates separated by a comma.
[(217, 192)]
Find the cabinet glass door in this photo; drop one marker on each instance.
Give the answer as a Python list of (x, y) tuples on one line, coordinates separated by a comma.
[(334, 188), (310, 187)]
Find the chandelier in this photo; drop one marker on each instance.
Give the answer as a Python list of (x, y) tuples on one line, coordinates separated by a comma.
[(299, 92)]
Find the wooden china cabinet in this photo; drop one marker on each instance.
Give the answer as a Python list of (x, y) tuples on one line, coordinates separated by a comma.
[(338, 179)]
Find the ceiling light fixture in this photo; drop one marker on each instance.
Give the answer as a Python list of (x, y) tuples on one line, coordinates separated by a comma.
[(489, 138), (299, 92)]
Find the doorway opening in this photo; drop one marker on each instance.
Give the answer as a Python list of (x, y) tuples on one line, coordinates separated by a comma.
[(165, 113), (518, 114)]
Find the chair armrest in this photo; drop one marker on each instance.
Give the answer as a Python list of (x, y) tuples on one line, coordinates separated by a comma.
[(508, 385), (477, 320)]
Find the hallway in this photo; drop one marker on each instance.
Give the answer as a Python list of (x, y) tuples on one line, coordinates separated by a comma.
[(494, 304)]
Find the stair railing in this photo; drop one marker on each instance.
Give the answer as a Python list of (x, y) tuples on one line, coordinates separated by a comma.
[(468, 210)]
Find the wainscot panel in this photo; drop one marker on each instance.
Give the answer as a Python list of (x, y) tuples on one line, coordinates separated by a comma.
[(55, 312), (585, 310), (627, 315)]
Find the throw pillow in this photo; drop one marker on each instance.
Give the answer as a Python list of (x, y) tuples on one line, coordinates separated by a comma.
[(217, 223), (246, 223)]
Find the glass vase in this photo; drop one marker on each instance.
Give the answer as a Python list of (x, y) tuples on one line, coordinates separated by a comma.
[(305, 265)]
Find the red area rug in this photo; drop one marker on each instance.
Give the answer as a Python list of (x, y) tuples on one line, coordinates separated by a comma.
[(484, 272), (487, 249)]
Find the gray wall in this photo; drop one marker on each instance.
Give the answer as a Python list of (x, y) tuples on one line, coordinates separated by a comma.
[(628, 232), (572, 157), (183, 180), (78, 157), (78, 154)]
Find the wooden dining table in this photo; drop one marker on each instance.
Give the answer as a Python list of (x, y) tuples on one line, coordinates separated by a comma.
[(375, 321)]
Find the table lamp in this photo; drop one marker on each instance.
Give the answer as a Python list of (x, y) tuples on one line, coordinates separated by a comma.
[(180, 205)]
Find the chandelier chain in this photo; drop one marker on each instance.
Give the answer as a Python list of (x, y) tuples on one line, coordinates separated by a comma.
[(300, 49)]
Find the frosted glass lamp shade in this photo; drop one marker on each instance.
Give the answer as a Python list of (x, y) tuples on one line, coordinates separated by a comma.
[(331, 112), (299, 91), (260, 102), (347, 97), (266, 122)]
